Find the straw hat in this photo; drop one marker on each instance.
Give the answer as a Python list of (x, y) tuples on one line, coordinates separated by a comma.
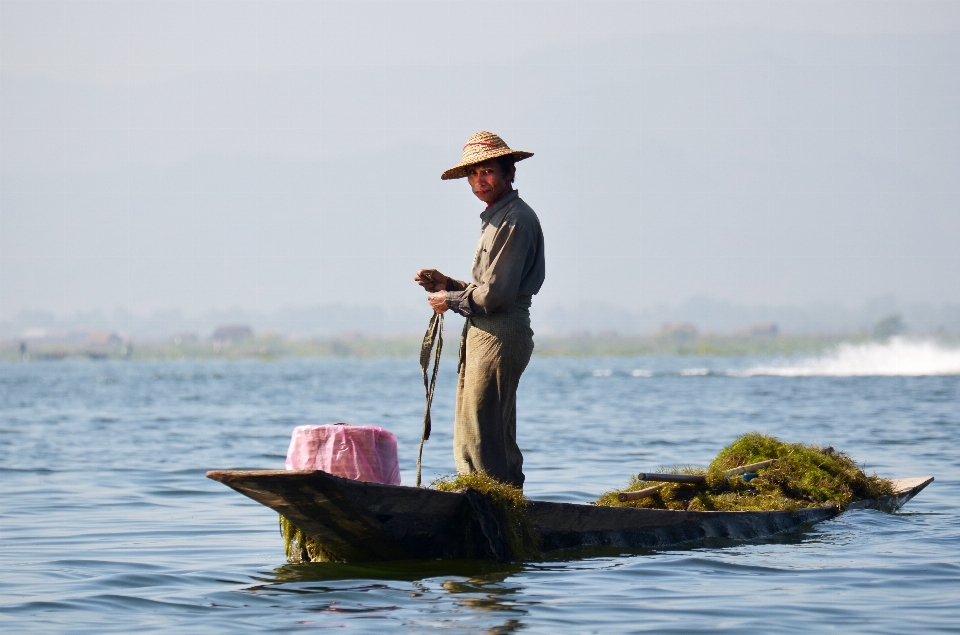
[(481, 147)]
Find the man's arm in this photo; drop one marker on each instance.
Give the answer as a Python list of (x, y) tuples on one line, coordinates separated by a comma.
[(511, 254), (437, 285), (456, 285)]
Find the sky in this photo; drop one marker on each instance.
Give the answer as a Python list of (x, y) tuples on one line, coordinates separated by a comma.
[(201, 157)]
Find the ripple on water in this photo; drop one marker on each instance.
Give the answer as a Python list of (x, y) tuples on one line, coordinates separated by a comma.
[(109, 526)]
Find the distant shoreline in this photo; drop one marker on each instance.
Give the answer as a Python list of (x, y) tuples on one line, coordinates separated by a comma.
[(360, 347)]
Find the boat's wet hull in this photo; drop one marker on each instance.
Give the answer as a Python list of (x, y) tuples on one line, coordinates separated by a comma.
[(358, 521)]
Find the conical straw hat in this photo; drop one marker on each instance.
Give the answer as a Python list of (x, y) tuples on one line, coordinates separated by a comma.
[(481, 147)]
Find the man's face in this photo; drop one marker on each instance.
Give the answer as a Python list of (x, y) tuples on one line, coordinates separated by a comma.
[(487, 181)]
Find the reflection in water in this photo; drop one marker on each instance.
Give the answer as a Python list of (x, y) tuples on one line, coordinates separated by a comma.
[(464, 595), (480, 595), (489, 597), (509, 626), (488, 592), (484, 593), (473, 585), (400, 570)]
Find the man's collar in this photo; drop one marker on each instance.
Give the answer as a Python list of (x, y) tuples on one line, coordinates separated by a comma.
[(500, 204)]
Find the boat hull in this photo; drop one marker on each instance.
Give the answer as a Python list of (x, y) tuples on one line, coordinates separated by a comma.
[(357, 521)]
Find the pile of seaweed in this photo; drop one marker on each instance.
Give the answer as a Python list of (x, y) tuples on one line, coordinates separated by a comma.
[(801, 476), (301, 547), (508, 505)]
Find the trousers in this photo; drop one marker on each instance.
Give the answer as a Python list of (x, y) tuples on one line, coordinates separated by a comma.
[(494, 351)]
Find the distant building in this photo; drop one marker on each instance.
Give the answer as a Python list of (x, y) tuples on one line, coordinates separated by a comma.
[(103, 338), (760, 328), (679, 331), (232, 333)]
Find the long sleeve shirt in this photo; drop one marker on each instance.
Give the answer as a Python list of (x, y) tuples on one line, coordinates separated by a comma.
[(508, 263)]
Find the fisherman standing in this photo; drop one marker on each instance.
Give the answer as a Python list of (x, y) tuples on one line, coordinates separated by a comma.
[(508, 269)]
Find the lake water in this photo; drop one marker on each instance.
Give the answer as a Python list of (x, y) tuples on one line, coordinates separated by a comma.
[(108, 525)]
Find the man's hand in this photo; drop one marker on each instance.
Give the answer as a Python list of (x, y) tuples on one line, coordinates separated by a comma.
[(438, 301), (431, 280)]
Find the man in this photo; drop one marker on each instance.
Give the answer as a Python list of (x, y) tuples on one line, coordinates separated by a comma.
[(508, 269)]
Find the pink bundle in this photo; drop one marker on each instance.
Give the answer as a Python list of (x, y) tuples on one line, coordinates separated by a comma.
[(362, 453)]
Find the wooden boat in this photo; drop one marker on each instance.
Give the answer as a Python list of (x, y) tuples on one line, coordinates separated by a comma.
[(357, 521)]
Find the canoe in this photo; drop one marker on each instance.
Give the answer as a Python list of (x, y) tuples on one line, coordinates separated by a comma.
[(357, 521)]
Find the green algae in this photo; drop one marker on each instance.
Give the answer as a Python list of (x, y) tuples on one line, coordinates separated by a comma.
[(508, 504), (802, 476), (300, 547)]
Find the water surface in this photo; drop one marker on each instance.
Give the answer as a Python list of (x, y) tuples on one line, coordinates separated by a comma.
[(109, 526)]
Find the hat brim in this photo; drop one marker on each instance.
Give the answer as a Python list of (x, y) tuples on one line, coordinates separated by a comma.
[(460, 171)]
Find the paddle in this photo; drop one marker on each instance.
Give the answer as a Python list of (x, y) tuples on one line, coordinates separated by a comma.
[(683, 478)]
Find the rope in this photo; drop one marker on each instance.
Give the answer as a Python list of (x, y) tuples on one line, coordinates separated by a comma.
[(434, 334)]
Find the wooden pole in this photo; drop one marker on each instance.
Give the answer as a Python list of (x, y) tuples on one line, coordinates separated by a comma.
[(683, 478), (743, 469), (623, 497), (672, 478)]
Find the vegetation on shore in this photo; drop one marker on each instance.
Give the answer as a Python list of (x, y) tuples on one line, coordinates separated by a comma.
[(272, 347), (801, 476)]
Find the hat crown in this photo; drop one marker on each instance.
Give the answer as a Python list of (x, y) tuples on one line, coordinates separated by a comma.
[(482, 146)]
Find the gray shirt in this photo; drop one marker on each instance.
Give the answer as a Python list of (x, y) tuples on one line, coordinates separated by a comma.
[(508, 263)]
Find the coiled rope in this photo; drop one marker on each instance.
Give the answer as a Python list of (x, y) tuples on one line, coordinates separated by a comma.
[(433, 335)]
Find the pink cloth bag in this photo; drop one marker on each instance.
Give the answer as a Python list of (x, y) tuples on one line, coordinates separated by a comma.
[(362, 453)]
